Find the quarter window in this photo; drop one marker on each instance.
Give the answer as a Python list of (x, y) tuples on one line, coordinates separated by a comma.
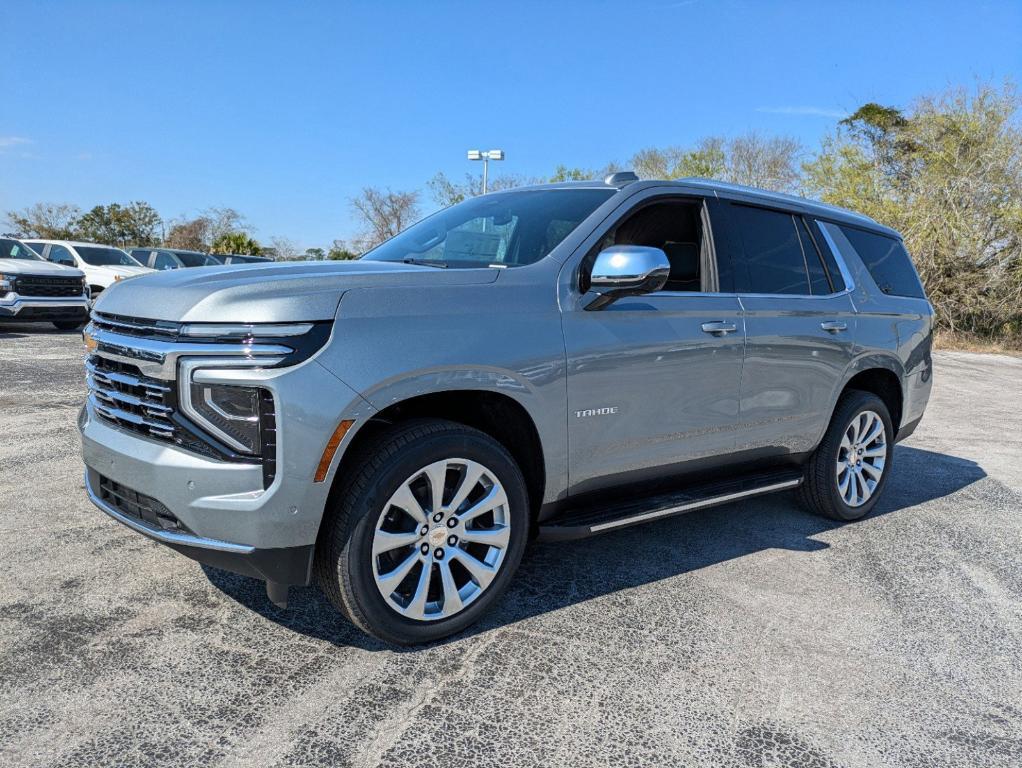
[(885, 257), (774, 259)]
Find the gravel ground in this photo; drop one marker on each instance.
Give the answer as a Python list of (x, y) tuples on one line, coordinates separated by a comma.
[(748, 635)]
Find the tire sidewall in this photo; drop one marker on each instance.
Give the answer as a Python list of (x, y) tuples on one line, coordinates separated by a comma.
[(357, 555), (861, 401)]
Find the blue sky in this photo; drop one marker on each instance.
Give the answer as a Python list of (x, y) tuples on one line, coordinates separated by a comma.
[(285, 110)]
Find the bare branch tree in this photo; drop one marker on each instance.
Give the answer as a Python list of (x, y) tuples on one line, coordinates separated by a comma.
[(383, 214)]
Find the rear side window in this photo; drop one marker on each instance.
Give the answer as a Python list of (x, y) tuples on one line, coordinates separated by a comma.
[(774, 260), (886, 259)]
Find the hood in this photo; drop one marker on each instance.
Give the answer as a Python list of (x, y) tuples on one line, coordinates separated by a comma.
[(37, 267), (271, 293)]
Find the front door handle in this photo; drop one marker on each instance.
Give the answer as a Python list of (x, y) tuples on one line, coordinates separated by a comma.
[(719, 328), (834, 326)]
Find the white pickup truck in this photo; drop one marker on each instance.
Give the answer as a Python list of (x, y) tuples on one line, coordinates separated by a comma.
[(32, 289)]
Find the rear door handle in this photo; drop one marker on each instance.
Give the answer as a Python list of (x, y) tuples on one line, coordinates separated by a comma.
[(719, 328), (834, 326)]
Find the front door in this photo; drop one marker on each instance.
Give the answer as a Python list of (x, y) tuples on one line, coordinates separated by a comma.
[(653, 380)]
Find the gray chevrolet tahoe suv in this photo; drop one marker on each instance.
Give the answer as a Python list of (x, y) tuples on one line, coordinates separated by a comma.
[(554, 361)]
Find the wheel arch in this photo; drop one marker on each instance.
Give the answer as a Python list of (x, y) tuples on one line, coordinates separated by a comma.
[(499, 415), (881, 375)]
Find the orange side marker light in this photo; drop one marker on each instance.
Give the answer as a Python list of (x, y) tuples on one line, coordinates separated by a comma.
[(331, 449)]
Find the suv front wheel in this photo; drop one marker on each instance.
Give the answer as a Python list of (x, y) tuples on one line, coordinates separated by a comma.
[(426, 533), (849, 469)]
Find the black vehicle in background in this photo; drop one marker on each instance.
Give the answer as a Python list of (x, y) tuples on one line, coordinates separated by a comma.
[(172, 258), (236, 258)]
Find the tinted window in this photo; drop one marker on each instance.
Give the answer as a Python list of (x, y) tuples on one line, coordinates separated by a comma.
[(887, 261), (193, 259), (12, 249), (165, 260), (825, 247), (101, 256), (505, 228), (773, 254), (61, 255), (817, 274)]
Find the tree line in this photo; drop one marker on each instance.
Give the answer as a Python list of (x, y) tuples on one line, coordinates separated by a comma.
[(945, 171)]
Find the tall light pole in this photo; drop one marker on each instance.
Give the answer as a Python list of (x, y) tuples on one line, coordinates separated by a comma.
[(486, 157)]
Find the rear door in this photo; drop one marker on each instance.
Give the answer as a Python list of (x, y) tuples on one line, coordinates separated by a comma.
[(800, 330)]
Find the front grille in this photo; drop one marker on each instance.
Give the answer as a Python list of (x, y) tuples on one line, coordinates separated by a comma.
[(38, 285), (123, 396), (138, 506), (163, 330)]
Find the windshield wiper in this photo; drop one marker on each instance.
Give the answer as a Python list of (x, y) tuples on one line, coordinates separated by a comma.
[(424, 262)]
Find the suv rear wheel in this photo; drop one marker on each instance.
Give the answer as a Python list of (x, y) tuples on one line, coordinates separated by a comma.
[(426, 533), (849, 469)]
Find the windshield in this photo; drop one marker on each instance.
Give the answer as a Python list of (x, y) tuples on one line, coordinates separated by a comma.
[(194, 259), (101, 256), (12, 249), (506, 229)]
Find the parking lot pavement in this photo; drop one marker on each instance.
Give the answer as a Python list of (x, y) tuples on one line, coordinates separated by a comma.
[(747, 635)]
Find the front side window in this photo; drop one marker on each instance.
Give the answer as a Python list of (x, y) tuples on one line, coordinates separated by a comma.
[(13, 249), (165, 260), (509, 229), (676, 227), (774, 259), (102, 256), (194, 259), (61, 255)]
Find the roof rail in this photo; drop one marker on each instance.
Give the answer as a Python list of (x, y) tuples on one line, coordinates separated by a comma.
[(621, 178)]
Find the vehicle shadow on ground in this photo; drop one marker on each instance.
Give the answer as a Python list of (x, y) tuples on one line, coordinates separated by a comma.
[(22, 330), (557, 575)]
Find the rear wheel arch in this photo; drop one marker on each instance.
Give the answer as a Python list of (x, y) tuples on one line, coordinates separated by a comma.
[(883, 382)]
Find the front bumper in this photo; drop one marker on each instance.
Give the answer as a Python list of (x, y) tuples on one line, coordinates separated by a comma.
[(14, 307), (227, 518), (286, 565)]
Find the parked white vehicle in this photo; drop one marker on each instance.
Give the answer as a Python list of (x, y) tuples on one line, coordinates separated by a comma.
[(34, 290), (103, 265)]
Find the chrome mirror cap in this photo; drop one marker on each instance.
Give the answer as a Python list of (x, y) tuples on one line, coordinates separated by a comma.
[(627, 270)]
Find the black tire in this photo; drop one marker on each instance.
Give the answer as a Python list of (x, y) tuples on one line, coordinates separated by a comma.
[(344, 559), (68, 325), (819, 489)]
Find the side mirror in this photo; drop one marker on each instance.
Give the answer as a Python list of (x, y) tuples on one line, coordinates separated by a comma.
[(627, 270)]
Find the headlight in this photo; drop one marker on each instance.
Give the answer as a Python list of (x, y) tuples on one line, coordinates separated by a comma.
[(6, 283), (231, 413)]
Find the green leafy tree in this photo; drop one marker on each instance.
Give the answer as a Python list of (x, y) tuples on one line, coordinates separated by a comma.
[(51, 221), (767, 162), (236, 242), (947, 173), (340, 251), (136, 223), (315, 254)]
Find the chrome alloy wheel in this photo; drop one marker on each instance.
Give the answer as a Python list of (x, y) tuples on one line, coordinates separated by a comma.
[(861, 458), (441, 539)]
